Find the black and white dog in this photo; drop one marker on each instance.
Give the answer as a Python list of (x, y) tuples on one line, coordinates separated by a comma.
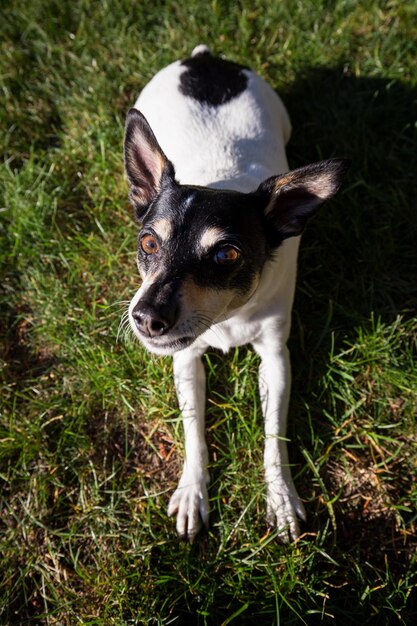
[(221, 223)]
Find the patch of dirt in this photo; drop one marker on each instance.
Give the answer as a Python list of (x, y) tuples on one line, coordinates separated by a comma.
[(144, 448), (20, 360), (366, 512)]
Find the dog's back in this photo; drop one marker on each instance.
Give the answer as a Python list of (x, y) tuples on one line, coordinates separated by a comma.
[(219, 123)]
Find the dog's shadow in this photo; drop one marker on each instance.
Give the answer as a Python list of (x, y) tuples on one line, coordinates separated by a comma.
[(361, 251), (358, 258)]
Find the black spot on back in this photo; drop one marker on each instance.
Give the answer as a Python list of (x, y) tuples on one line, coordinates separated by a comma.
[(212, 80)]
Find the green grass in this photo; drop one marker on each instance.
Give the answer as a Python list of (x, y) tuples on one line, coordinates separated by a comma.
[(90, 438)]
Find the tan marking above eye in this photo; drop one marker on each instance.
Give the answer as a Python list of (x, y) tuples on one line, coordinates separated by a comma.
[(149, 244), (162, 227), (211, 236)]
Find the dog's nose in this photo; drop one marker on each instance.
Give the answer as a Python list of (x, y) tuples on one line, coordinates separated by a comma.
[(152, 321)]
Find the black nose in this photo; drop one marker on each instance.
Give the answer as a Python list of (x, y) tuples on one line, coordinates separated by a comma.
[(153, 321)]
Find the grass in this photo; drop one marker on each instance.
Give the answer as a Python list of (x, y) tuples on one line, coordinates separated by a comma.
[(90, 434)]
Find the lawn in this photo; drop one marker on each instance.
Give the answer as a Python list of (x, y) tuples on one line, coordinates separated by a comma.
[(90, 434)]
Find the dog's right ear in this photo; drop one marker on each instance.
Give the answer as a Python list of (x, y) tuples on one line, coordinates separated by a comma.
[(147, 168), (292, 198)]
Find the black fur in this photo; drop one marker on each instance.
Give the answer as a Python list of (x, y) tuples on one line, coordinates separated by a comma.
[(211, 80), (191, 210)]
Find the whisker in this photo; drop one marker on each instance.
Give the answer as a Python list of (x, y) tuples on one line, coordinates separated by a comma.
[(210, 323), (124, 326), (121, 303), (205, 322)]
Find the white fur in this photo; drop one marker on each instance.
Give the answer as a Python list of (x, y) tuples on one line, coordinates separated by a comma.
[(234, 146)]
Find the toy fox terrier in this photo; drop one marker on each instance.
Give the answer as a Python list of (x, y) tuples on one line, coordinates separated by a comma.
[(217, 252)]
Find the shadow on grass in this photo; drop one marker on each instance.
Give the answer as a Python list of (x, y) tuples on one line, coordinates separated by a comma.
[(358, 259), (361, 251)]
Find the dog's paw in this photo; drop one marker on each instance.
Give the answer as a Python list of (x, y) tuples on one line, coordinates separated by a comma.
[(283, 506), (190, 503)]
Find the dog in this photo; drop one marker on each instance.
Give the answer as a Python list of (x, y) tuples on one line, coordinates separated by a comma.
[(221, 218)]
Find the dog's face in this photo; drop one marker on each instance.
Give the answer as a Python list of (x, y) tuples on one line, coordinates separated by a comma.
[(200, 255), (201, 251)]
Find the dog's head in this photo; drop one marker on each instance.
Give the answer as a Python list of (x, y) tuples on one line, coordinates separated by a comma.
[(201, 251)]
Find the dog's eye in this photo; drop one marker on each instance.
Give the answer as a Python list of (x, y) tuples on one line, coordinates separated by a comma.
[(226, 255), (149, 244)]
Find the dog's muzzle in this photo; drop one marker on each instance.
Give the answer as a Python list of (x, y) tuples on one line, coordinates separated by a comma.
[(155, 317)]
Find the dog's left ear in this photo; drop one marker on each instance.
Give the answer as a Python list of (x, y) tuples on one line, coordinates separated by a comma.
[(294, 197), (147, 168)]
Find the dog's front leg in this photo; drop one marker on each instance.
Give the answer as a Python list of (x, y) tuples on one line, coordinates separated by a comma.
[(283, 503), (190, 500)]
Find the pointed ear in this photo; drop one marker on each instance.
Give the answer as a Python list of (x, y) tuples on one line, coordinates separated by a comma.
[(147, 168), (294, 197)]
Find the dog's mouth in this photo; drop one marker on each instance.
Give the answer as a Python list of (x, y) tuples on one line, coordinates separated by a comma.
[(165, 345)]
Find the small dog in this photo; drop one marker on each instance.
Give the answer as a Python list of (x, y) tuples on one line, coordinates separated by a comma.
[(221, 223)]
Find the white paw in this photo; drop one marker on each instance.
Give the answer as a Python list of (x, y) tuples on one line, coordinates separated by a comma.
[(283, 506), (190, 503)]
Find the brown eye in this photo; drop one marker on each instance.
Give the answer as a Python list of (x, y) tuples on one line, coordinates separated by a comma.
[(149, 244), (226, 255)]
